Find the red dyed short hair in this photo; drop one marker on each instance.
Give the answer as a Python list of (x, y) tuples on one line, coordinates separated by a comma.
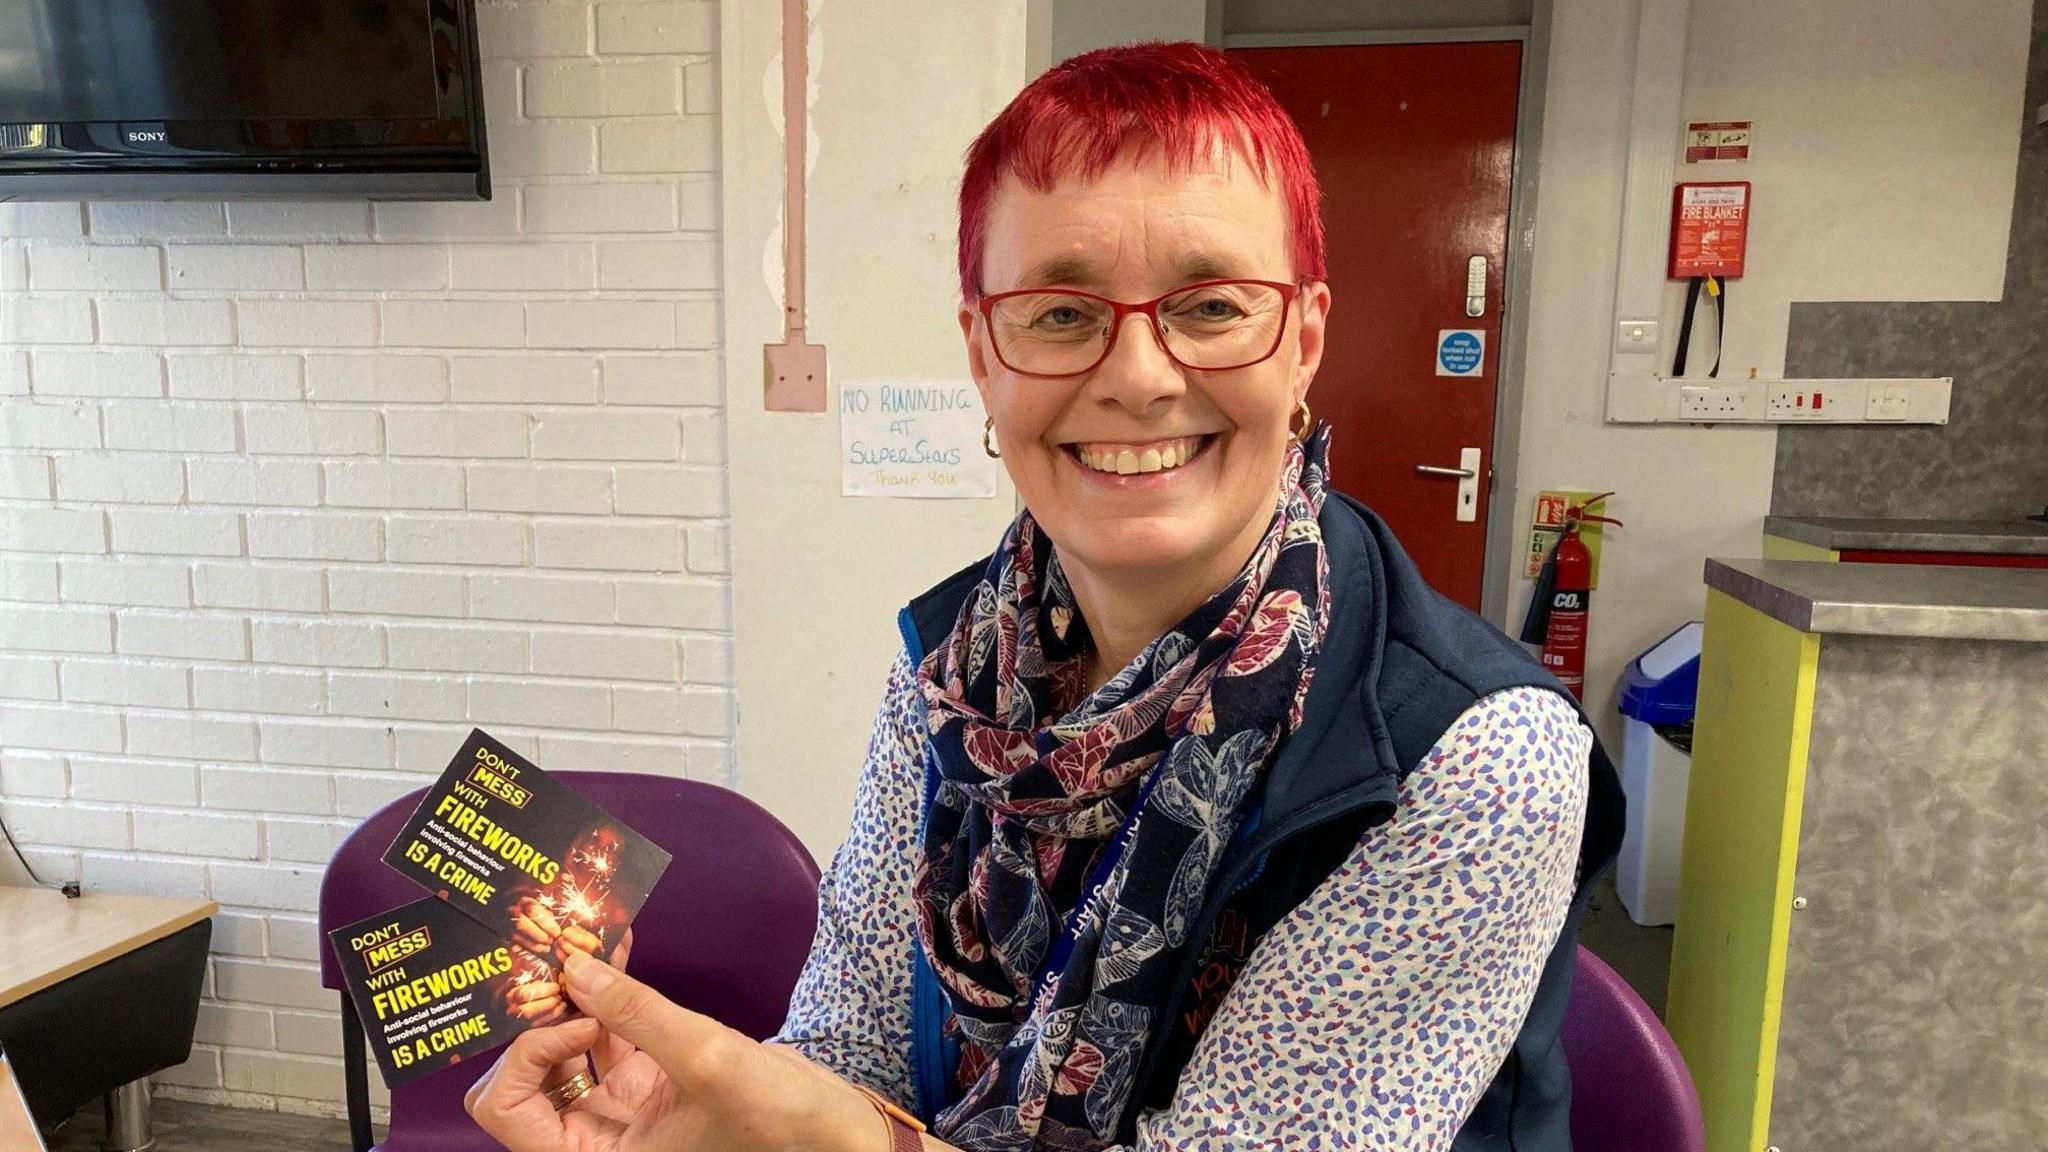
[(1090, 111)]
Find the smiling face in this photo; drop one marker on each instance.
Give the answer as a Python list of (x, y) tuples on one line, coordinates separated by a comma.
[(1094, 455)]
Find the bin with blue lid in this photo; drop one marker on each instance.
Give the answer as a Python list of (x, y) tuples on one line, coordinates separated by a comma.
[(1658, 689)]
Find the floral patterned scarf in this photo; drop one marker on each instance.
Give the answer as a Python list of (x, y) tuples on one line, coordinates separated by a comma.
[(1030, 819)]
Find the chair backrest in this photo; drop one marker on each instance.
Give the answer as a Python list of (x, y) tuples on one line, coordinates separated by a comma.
[(725, 932), (1630, 1088)]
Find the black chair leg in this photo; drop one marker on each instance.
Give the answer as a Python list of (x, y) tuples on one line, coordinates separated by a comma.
[(355, 1075)]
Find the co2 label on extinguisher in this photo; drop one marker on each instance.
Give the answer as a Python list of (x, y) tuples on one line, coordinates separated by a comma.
[(1564, 646)]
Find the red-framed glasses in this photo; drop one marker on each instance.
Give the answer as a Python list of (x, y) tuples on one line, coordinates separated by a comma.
[(1209, 326)]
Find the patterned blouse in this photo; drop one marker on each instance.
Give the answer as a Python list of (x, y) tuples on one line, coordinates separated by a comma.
[(1373, 1015)]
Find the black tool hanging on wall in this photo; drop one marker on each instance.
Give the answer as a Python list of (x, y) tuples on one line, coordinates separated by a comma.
[(1717, 289)]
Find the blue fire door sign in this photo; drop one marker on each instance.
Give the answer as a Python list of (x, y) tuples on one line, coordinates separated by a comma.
[(1460, 351)]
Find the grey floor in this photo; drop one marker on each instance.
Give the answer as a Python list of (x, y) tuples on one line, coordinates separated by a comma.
[(1641, 955), (182, 1127)]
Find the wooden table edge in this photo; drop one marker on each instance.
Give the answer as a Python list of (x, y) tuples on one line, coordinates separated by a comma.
[(200, 910)]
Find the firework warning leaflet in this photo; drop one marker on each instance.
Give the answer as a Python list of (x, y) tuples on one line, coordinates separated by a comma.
[(522, 869), (434, 987)]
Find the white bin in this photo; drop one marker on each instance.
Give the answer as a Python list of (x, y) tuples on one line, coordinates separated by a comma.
[(1658, 690)]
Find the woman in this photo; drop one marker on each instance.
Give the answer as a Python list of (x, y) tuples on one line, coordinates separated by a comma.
[(1192, 818)]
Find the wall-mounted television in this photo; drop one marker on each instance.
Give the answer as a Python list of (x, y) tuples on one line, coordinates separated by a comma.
[(241, 99)]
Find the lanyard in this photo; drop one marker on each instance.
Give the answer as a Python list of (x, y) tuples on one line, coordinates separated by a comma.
[(1063, 948)]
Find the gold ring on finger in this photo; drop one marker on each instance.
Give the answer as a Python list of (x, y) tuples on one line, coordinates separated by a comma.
[(571, 1090)]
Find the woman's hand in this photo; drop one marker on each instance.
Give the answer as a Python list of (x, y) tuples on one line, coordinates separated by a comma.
[(668, 1079)]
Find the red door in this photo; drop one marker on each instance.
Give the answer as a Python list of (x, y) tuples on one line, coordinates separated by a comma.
[(1415, 147)]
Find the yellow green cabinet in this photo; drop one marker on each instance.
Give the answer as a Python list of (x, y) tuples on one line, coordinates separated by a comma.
[(1861, 954)]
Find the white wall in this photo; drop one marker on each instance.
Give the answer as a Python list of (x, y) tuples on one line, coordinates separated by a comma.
[(1896, 115), (900, 89), (292, 494), (1887, 148)]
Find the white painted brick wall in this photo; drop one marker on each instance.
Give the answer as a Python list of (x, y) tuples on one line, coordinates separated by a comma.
[(292, 494)]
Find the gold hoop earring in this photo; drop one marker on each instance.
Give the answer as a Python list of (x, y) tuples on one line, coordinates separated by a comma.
[(988, 430), (1308, 421)]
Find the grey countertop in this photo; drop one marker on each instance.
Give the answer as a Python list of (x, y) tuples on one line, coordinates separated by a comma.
[(2013, 537), (1891, 599)]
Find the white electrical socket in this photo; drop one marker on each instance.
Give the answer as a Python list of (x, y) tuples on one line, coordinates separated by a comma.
[(1789, 402), (1716, 402), (1846, 400)]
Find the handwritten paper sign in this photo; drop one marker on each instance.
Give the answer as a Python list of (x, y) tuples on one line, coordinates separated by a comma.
[(912, 438)]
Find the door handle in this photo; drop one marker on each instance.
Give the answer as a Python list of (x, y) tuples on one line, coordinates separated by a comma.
[(1467, 476)]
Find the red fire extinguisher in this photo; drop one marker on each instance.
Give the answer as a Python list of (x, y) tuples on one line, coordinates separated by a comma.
[(1571, 599)]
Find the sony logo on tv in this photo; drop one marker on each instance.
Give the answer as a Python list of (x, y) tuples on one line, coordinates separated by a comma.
[(148, 136)]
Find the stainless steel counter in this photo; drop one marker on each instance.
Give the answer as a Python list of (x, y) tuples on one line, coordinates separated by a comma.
[(2004, 537), (1891, 599)]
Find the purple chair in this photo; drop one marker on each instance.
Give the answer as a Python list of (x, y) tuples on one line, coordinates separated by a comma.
[(1630, 1088), (724, 933)]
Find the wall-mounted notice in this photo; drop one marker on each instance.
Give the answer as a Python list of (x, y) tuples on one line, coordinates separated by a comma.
[(1717, 141), (912, 438), (1460, 351), (1549, 516)]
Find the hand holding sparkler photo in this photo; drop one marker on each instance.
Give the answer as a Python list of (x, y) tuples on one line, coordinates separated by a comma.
[(666, 1079), (539, 1002), (537, 928), (536, 992)]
